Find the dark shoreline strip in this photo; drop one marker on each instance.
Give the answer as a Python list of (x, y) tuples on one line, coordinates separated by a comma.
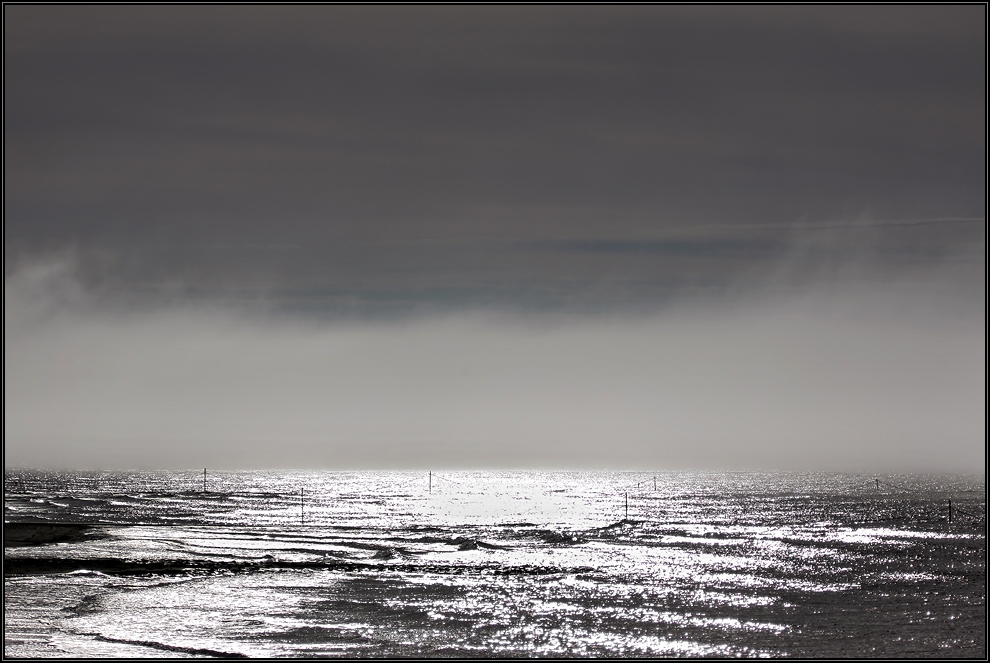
[(17, 566), (161, 645), (35, 534)]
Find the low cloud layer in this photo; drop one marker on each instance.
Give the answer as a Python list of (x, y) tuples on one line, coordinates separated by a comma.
[(539, 156)]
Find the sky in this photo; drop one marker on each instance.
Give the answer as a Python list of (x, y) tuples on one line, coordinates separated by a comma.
[(648, 237)]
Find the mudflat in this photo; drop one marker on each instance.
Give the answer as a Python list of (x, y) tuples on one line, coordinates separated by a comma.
[(33, 534)]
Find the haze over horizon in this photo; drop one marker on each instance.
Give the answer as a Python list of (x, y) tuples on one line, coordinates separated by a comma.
[(653, 238)]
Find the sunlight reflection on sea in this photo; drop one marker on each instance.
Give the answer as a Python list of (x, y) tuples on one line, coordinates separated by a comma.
[(496, 563)]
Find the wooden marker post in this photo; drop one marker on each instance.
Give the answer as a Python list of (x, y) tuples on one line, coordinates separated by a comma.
[(950, 511), (302, 508), (431, 482), (627, 506), (204, 479)]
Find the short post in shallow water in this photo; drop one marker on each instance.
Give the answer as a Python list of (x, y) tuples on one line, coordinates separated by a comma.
[(627, 506), (950, 511), (302, 508), (654, 484), (431, 482), (204, 479)]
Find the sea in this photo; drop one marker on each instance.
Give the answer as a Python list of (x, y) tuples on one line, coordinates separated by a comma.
[(512, 564)]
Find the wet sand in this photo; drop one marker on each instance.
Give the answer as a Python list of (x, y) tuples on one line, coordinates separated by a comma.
[(17, 535)]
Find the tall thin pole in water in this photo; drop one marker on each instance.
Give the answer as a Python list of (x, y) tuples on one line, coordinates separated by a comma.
[(204, 479), (654, 484), (431, 482), (302, 508), (627, 506), (950, 511)]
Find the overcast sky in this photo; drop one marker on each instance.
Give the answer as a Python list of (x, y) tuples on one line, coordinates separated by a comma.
[(651, 237)]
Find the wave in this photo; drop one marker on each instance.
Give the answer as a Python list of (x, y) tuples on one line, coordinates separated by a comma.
[(561, 538)]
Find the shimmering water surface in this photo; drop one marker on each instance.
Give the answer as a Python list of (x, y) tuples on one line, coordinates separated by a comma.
[(494, 564)]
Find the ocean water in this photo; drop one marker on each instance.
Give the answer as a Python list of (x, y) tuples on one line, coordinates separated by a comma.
[(517, 564)]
